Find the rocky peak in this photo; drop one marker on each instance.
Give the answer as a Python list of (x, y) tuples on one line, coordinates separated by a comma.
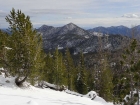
[(70, 26)]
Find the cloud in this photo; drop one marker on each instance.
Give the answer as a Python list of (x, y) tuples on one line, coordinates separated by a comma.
[(92, 22), (131, 15), (56, 11), (81, 12), (42, 4)]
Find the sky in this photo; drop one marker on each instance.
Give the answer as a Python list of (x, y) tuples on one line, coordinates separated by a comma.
[(84, 13)]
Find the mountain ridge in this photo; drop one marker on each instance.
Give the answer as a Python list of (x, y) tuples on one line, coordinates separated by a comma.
[(72, 36), (74, 29)]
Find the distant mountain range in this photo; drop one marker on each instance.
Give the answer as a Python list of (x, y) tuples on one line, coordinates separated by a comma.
[(121, 30), (72, 36)]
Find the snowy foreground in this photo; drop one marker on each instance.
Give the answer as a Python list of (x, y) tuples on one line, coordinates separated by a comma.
[(10, 94)]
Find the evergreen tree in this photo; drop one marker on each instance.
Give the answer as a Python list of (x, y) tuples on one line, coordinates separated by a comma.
[(59, 67), (3, 49), (81, 84), (106, 85), (90, 81), (129, 78), (70, 70), (25, 56), (48, 73)]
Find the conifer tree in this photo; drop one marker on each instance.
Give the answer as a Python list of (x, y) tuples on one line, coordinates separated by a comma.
[(70, 70), (4, 49), (106, 85), (48, 72), (90, 81), (81, 84), (26, 46), (129, 78), (59, 67)]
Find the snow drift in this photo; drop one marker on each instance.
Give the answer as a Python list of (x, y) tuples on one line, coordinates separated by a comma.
[(10, 94)]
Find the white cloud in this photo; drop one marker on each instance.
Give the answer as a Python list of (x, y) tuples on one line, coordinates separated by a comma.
[(80, 12), (93, 22), (44, 4), (131, 15), (105, 21), (56, 11)]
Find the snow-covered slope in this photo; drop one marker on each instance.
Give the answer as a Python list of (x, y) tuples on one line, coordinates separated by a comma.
[(10, 94)]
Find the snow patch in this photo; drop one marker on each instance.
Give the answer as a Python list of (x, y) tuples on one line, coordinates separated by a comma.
[(59, 47), (8, 48), (98, 34), (2, 68), (86, 36), (108, 45)]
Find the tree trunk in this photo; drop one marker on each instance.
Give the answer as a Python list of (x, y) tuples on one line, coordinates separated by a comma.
[(20, 82)]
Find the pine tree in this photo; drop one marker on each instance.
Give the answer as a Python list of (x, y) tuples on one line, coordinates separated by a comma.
[(48, 72), (81, 84), (106, 85), (4, 50), (129, 78), (70, 70), (25, 56), (3, 45), (59, 67), (90, 81)]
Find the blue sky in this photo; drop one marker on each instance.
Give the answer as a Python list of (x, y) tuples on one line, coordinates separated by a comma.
[(84, 13)]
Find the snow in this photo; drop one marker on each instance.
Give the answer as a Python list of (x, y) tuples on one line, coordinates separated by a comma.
[(8, 48), (75, 53), (106, 35), (2, 68), (10, 94), (86, 36), (60, 47), (108, 45)]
